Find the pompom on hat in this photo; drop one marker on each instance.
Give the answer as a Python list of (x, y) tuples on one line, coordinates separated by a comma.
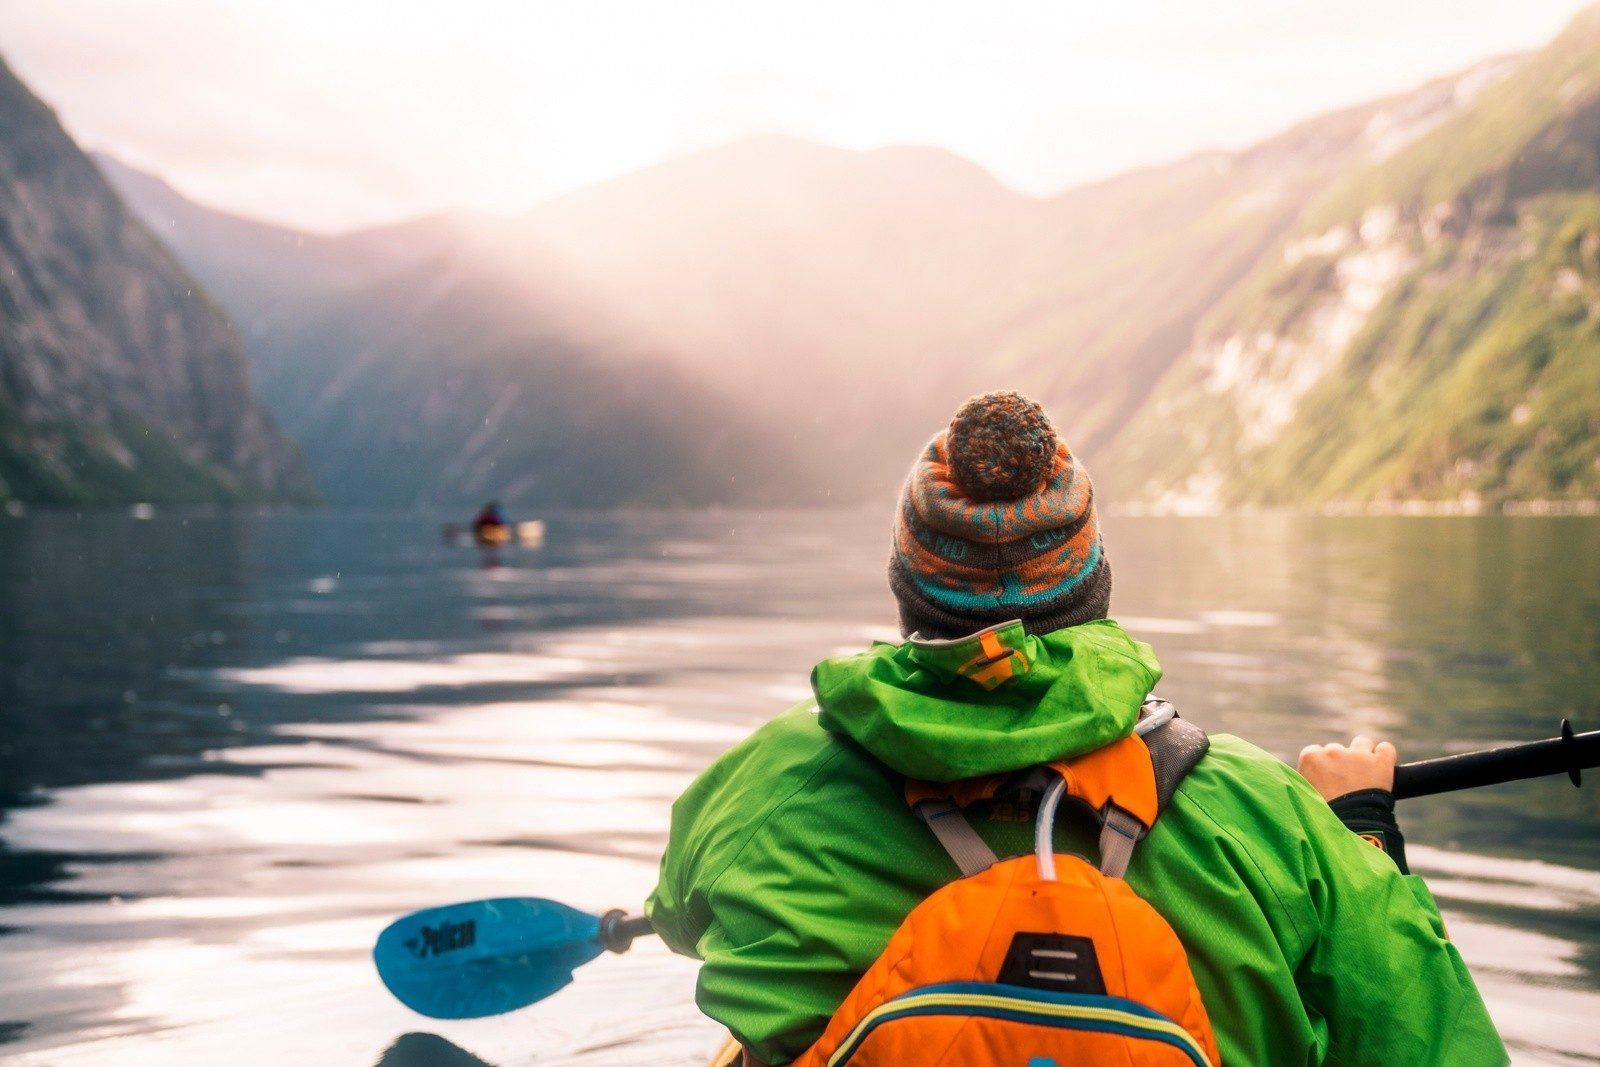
[(997, 522)]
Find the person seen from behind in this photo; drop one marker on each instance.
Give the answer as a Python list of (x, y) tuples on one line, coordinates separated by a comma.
[(860, 877)]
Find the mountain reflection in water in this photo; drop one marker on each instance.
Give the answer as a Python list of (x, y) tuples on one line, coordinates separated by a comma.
[(232, 748)]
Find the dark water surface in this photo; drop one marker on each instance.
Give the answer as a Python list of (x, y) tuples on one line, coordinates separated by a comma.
[(232, 748)]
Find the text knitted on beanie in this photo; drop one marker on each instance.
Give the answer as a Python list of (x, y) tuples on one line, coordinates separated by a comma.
[(997, 522)]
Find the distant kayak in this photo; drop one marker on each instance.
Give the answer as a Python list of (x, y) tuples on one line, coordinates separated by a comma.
[(529, 534)]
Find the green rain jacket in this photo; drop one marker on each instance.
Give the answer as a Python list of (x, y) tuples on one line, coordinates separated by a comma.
[(794, 857)]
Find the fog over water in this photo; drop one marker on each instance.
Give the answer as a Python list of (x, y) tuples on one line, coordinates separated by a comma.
[(232, 748)]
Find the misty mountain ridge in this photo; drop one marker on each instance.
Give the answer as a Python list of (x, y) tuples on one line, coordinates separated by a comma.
[(739, 300), (1193, 326)]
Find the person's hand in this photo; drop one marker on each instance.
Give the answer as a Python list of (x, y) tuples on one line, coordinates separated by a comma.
[(1335, 770)]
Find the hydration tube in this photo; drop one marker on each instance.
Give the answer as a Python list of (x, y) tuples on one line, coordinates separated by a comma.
[(1044, 825)]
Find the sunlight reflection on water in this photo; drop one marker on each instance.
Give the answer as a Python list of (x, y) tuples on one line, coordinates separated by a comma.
[(421, 730)]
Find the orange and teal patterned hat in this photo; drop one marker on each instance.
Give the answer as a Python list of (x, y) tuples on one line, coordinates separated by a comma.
[(997, 522)]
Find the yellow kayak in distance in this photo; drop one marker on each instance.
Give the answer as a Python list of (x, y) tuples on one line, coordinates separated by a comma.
[(529, 534), (498, 534)]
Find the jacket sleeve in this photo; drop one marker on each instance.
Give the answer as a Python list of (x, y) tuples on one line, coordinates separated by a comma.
[(1379, 977), (746, 889), (1369, 814), (762, 989)]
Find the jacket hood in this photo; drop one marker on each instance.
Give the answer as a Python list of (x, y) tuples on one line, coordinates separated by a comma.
[(993, 702)]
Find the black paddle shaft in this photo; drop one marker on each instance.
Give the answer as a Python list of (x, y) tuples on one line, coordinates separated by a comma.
[(1568, 754), (618, 929)]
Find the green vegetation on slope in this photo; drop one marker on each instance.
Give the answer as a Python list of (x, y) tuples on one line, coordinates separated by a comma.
[(1471, 377), (66, 464), (1430, 329), (1136, 263), (1510, 142)]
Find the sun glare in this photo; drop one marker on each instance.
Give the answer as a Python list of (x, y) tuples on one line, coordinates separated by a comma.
[(335, 115)]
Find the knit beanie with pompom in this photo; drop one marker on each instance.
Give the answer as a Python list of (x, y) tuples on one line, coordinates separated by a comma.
[(997, 522)]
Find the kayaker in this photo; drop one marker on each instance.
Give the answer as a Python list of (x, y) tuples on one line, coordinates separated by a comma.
[(489, 515), (795, 856)]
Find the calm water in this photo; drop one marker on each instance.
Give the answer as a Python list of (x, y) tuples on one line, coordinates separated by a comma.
[(232, 748)]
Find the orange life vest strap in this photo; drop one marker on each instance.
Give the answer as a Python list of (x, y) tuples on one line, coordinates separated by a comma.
[(1124, 783), (962, 793), (1121, 774)]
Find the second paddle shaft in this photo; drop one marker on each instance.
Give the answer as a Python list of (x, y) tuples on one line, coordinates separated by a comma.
[(1567, 754)]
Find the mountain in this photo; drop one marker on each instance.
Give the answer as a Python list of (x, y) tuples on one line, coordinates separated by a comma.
[(1429, 329), (842, 302), (264, 273), (417, 370), (854, 298), (1138, 261), (1192, 326), (768, 281), (441, 385), (798, 249), (119, 379)]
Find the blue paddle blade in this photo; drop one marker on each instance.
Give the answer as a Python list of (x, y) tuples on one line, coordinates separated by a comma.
[(485, 957)]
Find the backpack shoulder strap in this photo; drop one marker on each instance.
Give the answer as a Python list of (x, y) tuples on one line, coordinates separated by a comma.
[(1176, 746), (939, 805), (1126, 784), (1172, 747), (970, 851)]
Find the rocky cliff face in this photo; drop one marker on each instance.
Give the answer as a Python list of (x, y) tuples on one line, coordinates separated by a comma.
[(1138, 262), (119, 379)]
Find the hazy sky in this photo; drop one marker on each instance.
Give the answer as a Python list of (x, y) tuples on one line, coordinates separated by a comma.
[(336, 113)]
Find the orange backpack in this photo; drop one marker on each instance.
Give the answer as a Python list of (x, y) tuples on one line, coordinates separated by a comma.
[(1042, 960)]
